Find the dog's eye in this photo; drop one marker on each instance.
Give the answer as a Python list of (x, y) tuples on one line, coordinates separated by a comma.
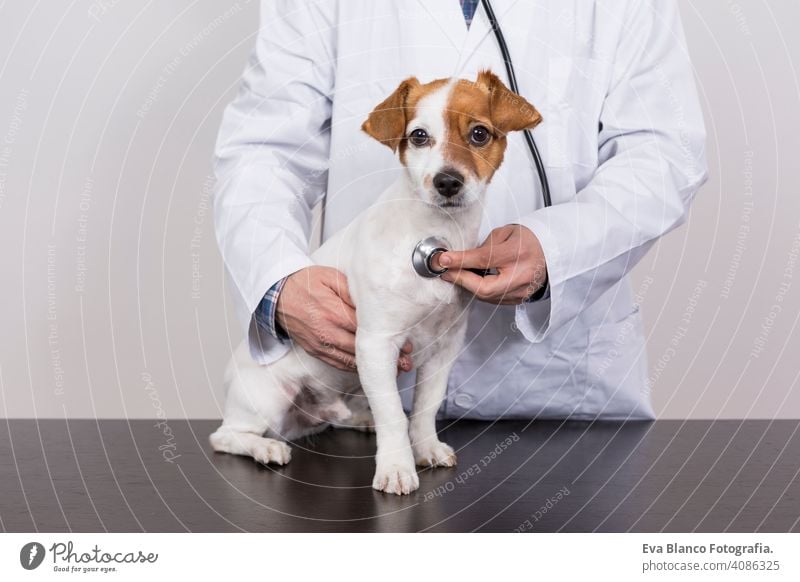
[(479, 135), (419, 137)]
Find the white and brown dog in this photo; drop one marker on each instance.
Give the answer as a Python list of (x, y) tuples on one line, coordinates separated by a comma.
[(450, 135)]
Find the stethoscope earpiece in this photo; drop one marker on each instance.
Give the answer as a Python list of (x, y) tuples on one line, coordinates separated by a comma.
[(422, 257)]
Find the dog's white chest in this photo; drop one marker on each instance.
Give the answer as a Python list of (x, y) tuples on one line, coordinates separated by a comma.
[(400, 278)]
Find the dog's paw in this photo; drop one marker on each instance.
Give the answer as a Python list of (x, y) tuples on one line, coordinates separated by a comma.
[(272, 451), (396, 479), (434, 454)]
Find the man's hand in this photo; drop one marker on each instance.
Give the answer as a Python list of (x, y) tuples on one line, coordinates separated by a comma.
[(316, 310), (513, 251)]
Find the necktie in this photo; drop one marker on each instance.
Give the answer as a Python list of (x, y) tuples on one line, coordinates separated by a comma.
[(468, 8)]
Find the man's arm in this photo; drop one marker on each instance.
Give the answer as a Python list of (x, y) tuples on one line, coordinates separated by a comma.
[(652, 162), (272, 152)]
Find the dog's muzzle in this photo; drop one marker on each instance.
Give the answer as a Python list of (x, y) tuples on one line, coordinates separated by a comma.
[(422, 257)]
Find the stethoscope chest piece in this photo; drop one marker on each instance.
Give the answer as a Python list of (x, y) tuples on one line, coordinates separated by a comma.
[(423, 254)]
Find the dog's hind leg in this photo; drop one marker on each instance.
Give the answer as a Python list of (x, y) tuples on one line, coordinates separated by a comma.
[(359, 415), (242, 432), (258, 401), (262, 449)]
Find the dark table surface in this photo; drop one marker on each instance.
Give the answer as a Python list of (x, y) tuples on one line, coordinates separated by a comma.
[(677, 476)]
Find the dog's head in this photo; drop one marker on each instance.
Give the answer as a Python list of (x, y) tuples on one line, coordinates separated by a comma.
[(450, 134)]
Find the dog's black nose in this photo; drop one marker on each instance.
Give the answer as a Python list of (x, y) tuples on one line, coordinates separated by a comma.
[(448, 183)]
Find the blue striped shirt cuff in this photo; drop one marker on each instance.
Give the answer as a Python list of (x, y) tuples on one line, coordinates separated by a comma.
[(265, 312), (541, 294)]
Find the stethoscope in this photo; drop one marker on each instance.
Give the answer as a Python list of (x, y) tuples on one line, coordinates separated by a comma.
[(428, 248)]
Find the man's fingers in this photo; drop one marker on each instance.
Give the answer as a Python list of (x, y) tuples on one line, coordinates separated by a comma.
[(405, 363), (346, 318), (345, 309), (471, 259), (340, 341), (341, 349), (407, 348), (466, 279), (338, 282), (489, 255), (340, 361), (490, 287)]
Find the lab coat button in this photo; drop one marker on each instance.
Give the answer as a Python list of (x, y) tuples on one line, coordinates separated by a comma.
[(463, 400)]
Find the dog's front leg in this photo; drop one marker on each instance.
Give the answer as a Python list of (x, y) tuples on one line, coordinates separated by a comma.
[(432, 377), (376, 357)]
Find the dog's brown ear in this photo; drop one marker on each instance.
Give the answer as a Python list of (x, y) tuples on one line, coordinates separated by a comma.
[(387, 122), (509, 111)]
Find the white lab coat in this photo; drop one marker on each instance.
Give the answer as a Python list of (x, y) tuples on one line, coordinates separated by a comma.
[(622, 141)]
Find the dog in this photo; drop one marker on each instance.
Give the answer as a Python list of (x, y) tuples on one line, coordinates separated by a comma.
[(450, 136)]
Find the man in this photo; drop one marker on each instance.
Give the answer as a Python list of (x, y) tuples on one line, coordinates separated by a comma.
[(623, 145)]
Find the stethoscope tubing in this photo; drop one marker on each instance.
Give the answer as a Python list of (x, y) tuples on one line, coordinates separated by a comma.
[(512, 81)]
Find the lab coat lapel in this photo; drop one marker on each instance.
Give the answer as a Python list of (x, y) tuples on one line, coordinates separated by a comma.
[(446, 18)]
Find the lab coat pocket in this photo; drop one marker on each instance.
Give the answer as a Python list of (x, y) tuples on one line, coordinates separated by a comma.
[(567, 363), (557, 388), (616, 369), (554, 133)]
